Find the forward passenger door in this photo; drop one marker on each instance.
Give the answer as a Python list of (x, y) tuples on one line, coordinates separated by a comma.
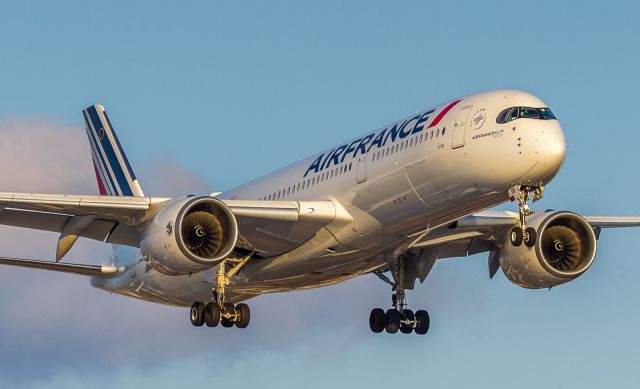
[(459, 127)]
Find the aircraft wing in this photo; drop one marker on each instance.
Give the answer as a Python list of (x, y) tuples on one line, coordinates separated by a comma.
[(73, 268), (268, 227), (482, 232)]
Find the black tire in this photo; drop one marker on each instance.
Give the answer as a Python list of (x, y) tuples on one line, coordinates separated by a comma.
[(408, 315), (226, 323), (197, 314), (212, 314), (377, 320), (244, 315), (392, 321), (422, 322), (516, 236), (531, 235)]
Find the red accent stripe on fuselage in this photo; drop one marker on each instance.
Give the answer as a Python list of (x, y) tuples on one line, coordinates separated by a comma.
[(101, 189), (442, 113)]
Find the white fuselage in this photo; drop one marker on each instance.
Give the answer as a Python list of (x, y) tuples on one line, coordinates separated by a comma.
[(396, 182)]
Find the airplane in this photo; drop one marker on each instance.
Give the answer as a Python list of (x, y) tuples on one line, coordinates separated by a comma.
[(388, 203)]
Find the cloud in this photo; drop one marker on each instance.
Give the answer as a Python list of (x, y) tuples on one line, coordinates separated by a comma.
[(57, 321), (163, 176), (39, 154)]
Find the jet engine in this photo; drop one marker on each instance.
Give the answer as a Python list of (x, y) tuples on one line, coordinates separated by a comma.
[(561, 247), (189, 235)]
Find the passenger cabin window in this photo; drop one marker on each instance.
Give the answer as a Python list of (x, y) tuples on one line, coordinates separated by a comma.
[(514, 113)]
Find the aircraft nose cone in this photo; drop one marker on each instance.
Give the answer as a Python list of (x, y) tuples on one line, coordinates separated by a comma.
[(553, 150), (550, 151), (546, 152)]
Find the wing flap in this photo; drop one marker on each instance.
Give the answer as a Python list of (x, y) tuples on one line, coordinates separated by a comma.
[(275, 227), (36, 220)]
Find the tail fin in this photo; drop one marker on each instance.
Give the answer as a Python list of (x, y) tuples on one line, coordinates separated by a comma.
[(114, 174)]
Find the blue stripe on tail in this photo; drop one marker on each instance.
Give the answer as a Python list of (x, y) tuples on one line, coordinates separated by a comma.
[(102, 164), (124, 156), (111, 159)]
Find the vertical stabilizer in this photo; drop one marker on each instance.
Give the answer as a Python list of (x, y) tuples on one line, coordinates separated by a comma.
[(113, 172)]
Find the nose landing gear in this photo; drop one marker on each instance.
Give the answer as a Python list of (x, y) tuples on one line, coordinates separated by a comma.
[(398, 318), (521, 233)]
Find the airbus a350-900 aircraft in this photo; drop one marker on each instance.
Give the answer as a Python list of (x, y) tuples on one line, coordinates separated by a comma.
[(392, 201)]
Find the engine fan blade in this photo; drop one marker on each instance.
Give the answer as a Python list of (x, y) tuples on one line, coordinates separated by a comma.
[(202, 233), (561, 248)]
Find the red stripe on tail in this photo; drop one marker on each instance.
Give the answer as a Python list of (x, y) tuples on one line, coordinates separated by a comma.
[(103, 192), (442, 113)]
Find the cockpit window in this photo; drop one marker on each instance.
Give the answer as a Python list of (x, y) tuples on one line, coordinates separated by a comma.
[(529, 113), (514, 113), (546, 114)]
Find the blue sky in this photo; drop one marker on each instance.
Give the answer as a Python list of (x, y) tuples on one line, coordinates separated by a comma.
[(206, 95)]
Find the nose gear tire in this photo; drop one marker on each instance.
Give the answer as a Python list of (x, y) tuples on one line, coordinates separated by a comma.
[(516, 236), (530, 236)]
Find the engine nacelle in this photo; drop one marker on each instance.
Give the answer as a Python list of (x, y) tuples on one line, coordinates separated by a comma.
[(189, 235), (564, 249)]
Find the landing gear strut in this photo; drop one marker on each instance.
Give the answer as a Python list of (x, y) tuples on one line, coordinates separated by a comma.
[(220, 311), (521, 233), (398, 318)]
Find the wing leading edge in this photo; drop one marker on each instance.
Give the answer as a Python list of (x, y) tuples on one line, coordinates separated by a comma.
[(269, 227)]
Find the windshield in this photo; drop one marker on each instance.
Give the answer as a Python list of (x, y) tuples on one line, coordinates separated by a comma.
[(514, 113)]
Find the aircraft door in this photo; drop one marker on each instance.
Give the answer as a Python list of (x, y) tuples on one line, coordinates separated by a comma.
[(459, 127), (361, 169)]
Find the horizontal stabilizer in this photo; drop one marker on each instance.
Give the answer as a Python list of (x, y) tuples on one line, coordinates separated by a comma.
[(84, 270)]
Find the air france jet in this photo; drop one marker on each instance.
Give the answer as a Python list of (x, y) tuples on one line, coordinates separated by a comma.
[(390, 203)]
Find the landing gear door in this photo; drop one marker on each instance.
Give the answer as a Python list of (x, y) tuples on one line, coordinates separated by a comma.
[(459, 127)]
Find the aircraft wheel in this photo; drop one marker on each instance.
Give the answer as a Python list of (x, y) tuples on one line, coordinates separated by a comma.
[(227, 307), (392, 319), (422, 322), (377, 320), (407, 315), (212, 314), (530, 236), (197, 314), (516, 236), (244, 315)]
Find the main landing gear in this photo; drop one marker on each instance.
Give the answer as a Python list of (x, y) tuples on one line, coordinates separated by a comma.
[(521, 233), (398, 318), (220, 311)]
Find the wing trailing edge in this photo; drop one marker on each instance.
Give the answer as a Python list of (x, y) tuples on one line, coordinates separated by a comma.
[(72, 268)]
